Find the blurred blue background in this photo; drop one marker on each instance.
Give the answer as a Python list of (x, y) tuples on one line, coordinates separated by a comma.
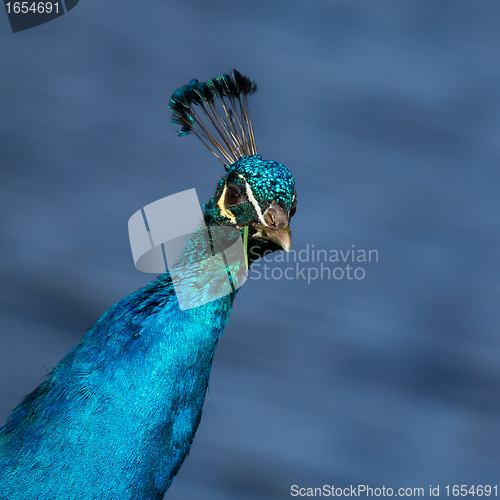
[(388, 115)]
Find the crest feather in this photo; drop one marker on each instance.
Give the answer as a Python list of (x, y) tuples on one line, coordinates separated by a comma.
[(224, 101)]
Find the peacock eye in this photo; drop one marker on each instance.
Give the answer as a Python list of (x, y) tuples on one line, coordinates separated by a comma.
[(293, 209), (232, 197)]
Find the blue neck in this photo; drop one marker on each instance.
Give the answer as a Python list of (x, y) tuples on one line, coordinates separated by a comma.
[(117, 415)]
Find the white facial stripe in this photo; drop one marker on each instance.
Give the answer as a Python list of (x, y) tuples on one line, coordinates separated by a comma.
[(223, 210), (253, 201)]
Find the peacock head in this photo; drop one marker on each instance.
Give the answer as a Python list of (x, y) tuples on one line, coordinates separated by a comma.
[(255, 195), (259, 194)]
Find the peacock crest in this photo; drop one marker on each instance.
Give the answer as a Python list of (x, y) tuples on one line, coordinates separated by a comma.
[(226, 126)]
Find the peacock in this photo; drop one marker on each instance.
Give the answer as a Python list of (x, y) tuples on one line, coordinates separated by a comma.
[(115, 419)]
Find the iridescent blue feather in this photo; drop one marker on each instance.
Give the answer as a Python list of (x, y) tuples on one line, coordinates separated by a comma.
[(116, 418)]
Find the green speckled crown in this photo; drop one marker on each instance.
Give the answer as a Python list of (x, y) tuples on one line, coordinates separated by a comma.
[(269, 180)]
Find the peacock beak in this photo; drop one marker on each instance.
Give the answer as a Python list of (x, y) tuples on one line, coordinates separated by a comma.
[(281, 236), (276, 228)]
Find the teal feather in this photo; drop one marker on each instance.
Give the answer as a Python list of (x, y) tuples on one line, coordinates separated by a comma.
[(117, 416)]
